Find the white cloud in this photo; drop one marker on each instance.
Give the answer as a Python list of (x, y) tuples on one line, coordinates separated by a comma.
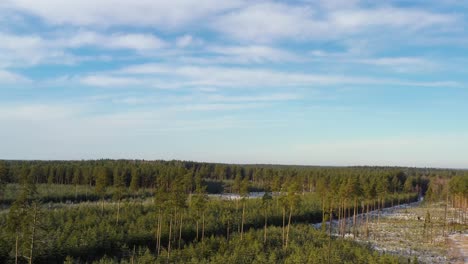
[(7, 77), (397, 61), (17, 49), (27, 50), (239, 77), (185, 41), (336, 4), (253, 54), (110, 81), (270, 21), (401, 64), (103, 13), (218, 107), (275, 97), (196, 76), (139, 42), (265, 22), (210, 99), (404, 19)]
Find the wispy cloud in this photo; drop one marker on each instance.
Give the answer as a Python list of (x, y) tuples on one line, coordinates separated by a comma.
[(32, 49), (270, 21), (107, 13), (7, 77), (139, 42), (111, 81), (402, 64), (38, 112), (254, 54), (193, 98), (258, 77), (413, 64)]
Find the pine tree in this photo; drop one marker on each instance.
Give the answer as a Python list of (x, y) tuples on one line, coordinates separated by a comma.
[(76, 180), (23, 217), (102, 181), (266, 201), (244, 193), (135, 180), (293, 202), (3, 177), (119, 190)]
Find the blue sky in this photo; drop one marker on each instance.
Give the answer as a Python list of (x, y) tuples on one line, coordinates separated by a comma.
[(324, 82)]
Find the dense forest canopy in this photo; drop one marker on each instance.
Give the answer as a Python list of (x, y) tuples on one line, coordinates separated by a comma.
[(148, 174)]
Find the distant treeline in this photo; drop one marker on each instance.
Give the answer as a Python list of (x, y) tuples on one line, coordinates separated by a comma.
[(138, 174)]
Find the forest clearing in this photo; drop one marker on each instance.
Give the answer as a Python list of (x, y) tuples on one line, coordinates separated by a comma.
[(418, 231)]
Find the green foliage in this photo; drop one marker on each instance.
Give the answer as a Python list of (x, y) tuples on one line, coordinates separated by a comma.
[(3, 177), (308, 246), (87, 231), (102, 181), (135, 182)]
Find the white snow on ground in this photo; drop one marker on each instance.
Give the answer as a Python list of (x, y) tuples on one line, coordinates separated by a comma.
[(402, 230), (460, 241), (235, 196)]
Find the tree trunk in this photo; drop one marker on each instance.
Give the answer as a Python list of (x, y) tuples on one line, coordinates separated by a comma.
[(378, 213), (203, 227), (227, 233), (367, 221), (132, 260), (242, 222), (118, 212), (157, 235), (289, 227), (331, 220), (197, 228), (284, 223), (265, 233), (180, 229), (16, 248), (339, 217), (445, 214), (33, 234), (354, 216), (323, 211), (330, 231), (169, 240), (349, 216), (158, 239), (237, 211)]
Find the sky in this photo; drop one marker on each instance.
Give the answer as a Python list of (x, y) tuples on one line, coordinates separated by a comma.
[(311, 82)]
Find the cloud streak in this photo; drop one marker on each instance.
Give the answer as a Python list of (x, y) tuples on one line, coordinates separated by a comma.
[(107, 13), (152, 75), (7, 77)]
